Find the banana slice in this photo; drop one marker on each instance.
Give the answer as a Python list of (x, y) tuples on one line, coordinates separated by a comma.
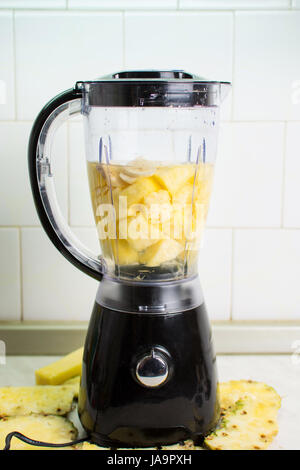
[(139, 171), (128, 179)]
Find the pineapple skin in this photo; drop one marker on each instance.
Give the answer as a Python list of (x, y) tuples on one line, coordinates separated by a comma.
[(60, 371), (54, 429), (89, 446), (45, 400)]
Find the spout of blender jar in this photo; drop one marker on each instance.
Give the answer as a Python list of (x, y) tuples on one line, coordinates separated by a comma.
[(54, 113)]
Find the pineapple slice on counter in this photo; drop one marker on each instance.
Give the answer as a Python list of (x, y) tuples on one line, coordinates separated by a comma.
[(45, 400), (60, 371), (232, 390), (54, 429), (89, 446), (74, 383), (187, 445), (249, 420)]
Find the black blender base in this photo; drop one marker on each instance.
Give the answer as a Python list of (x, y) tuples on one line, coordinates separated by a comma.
[(117, 410)]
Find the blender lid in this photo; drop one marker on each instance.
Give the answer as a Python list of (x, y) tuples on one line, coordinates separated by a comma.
[(143, 88)]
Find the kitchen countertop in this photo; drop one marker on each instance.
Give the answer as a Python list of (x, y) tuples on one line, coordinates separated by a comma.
[(280, 371)]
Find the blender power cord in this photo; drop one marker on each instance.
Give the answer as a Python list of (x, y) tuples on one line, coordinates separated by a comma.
[(32, 442)]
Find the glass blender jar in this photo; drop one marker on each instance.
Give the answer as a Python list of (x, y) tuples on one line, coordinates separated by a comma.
[(148, 375)]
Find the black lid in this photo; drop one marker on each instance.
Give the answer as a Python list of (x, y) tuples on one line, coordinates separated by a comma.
[(153, 88)]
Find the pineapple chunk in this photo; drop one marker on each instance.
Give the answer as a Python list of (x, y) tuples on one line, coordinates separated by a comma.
[(140, 233), (249, 419), (174, 177), (158, 197), (124, 254), (46, 400), (140, 189), (162, 251), (54, 429), (74, 383), (184, 195), (61, 370)]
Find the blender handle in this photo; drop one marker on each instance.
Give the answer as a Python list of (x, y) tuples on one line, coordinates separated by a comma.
[(54, 113)]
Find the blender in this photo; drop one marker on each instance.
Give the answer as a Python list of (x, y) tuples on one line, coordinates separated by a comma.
[(149, 370)]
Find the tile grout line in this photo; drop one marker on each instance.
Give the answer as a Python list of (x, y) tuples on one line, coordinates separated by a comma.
[(21, 275), (232, 273), (284, 150), (68, 9), (229, 121), (68, 175), (211, 227), (233, 62), (124, 41), (15, 64)]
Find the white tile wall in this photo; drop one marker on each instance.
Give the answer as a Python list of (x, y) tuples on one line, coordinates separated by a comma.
[(180, 41), (249, 264), (292, 172), (267, 67), (123, 4), (248, 179), (40, 4), (10, 292), (86, 45), (173, 46), (7, 81), (234, 4), (53, 290), (215, 272), (14, 181), (266, 275)]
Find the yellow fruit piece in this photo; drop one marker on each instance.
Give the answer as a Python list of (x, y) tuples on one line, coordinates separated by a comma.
[(231, 391), (187, 445), (61, 370), (161, 252), (174, 177), (141, 234), (123, 252), (203, 184), (137, 448), (249, 417), (183, 195), (158, 197), (54, 429), (74, 383), (88, 446), (140, 189), (46, 400)]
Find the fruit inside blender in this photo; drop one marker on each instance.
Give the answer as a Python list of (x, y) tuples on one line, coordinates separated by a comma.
[(150, 216)]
